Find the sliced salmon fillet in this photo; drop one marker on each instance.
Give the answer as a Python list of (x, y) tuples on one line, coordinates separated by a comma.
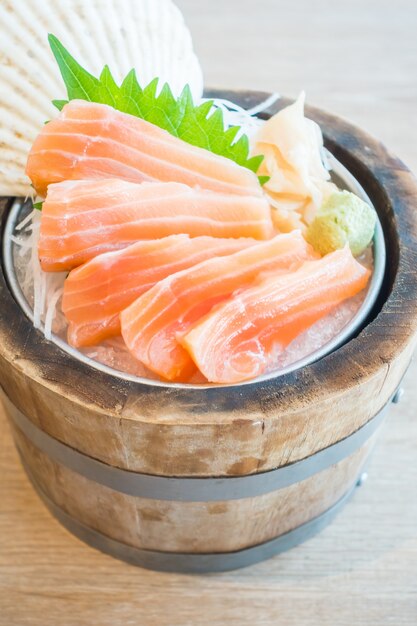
[(235, 341), (152, 324), (81, 219), (96, 292), (90, 140)]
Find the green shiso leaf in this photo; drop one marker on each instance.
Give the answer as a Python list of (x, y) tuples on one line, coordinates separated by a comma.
[(59, 104), (38, 206), (263, 179), (198, 125), (79, 83)]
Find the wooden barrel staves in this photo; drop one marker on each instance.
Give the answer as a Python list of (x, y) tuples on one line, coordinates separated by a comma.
[(216, 478)]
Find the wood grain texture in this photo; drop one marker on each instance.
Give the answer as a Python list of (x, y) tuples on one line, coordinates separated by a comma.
[(204, 527), (362, 569)]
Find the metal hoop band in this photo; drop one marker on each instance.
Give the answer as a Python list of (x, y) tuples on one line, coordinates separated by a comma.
[(187, 562), (189, 489)]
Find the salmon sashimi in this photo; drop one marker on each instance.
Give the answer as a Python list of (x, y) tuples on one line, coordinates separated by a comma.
[(153, 323), (96, 292), (236, 340), (89, 140), (81, 219)]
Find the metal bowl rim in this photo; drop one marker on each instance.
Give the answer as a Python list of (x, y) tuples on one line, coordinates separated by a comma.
[(346, 334)]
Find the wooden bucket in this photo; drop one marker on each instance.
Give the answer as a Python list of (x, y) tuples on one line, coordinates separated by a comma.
[(213, 479)]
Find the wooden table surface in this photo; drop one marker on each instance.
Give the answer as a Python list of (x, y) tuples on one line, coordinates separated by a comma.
[(357, 59)]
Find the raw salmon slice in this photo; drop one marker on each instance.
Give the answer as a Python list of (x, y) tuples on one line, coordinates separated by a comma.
[(81, 219), (96, 292), (90, 140), (152, 324), (236, 340)]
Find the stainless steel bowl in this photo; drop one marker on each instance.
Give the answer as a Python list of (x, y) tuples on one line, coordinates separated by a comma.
[(341, 177)]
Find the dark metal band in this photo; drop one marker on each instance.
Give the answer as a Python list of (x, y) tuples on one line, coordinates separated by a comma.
[(187, 562), (190, 489)]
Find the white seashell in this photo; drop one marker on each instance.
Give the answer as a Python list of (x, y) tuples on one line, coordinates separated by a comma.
[(149, 35)]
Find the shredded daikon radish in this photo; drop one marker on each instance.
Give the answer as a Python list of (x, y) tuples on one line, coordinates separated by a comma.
[(52, 302), (235, 115), (26, 222), (42, 290), (23, 244), (262, 106), (38, 274)]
